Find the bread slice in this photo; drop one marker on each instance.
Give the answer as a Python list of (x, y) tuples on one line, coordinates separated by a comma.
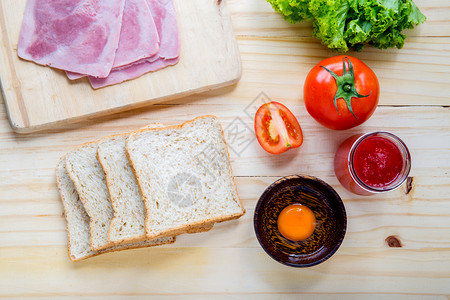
[(184, 175), (127, 224), (78, 221), (87, 175), (129, 212)]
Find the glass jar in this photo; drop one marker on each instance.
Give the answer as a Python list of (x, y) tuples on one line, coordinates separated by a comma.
[(372, 163)]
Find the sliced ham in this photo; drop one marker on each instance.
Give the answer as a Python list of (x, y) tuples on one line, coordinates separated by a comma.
[(138, 36), (79, 36), (134, 71), (165, 18), (75, 76)]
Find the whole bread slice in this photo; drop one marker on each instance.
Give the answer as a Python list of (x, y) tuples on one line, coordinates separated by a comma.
[(197, 229), (78, 221), (184, 175), (127, 224)]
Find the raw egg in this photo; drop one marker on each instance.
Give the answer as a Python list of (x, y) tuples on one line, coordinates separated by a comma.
[(296, 222)]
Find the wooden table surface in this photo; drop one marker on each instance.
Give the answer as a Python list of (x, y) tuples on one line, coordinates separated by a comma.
[(228, 261)]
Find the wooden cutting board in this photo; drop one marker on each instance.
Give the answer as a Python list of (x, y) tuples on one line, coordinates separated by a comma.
[(39, 98)]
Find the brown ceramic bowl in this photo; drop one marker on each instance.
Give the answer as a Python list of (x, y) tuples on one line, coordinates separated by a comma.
[(327, 207)]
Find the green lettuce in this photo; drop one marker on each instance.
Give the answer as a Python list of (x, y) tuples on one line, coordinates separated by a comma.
[(342, 25)]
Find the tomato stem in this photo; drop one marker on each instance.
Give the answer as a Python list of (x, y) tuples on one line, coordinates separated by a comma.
[(346, 86)]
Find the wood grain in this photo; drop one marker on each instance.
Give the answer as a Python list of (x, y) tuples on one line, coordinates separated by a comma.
[(33, 238), (39, 97), (228, 262)]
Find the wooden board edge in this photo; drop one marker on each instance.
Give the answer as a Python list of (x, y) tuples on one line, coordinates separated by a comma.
[(61, 124), (20, 110)]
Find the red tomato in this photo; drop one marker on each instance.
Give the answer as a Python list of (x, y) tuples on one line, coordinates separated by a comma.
[(276, 128), (341, 92)]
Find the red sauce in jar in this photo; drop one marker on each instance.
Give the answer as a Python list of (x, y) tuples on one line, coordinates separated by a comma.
[(377, 161)]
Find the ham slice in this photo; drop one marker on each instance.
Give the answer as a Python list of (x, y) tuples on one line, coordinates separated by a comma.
[(165, 18), (79, 36), (138, 36), (134, 71)]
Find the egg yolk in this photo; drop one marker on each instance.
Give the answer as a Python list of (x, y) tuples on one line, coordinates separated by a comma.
[(296, 222)]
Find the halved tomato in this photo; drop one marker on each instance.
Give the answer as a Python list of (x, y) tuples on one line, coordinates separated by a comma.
[(277, 129)]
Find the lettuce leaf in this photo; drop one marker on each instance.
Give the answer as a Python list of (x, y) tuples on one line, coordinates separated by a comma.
[(330, 22), (342, 25), (293, 10)]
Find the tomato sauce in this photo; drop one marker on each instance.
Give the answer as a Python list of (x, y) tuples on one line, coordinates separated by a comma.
[(372, 163), (377, 162)]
